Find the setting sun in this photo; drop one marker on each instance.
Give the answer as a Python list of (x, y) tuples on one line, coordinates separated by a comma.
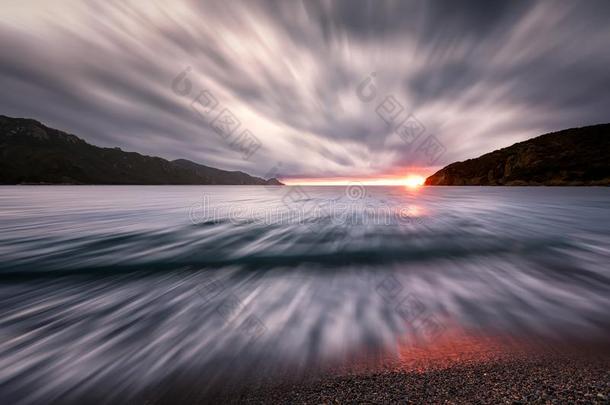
[(408, 178), (414, 181)]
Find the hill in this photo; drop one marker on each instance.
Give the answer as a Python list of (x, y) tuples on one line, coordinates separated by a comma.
[(572, 157), (31, 152)]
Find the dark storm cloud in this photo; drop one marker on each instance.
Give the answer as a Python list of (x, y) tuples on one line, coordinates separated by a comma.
[(478, 74)]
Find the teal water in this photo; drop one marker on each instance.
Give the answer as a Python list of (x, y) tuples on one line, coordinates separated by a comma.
[(127, 286)]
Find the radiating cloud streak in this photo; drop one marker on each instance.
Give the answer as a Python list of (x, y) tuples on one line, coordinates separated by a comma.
[(480, 75)]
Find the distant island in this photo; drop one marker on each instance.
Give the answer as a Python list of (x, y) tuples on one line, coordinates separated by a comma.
[(32, 153), (572, 157)]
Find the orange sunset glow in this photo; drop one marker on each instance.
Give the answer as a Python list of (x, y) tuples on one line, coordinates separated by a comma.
[(409, 180)]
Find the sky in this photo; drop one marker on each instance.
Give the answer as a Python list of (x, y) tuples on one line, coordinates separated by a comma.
[(307, 90)]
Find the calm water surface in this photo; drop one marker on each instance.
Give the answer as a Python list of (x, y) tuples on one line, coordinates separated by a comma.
[(128, 286)]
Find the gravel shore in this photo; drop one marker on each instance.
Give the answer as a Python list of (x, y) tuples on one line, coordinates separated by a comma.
[(454, 370), (538, 380)]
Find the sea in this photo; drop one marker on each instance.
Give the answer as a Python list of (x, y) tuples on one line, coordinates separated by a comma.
[(112, 290)]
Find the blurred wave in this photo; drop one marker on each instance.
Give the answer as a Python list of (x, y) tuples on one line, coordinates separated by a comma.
[(119, 287)]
